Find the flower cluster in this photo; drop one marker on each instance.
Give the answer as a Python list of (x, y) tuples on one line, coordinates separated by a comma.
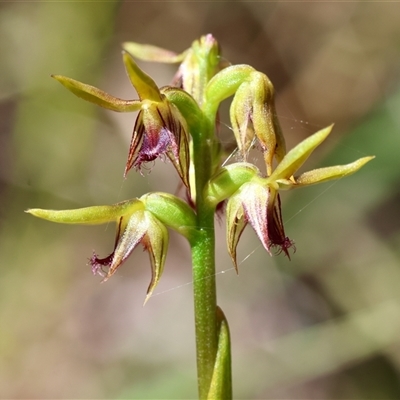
[(174, 121)]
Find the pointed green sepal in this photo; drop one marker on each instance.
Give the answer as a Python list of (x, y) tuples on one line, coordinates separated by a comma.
[(147, 52), (171, 211), (144, 85), (89, 215), (235, 224), (227, 181), (329, 173), (295, 158), (97, 96)]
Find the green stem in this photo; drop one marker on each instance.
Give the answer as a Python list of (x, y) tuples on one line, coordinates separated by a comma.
[(208, 324), (203, 262), (208, 320), (205, 305)]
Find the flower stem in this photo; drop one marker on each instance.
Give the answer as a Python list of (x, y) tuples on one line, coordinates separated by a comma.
[(207, 323), (203, 263), (205, 305)]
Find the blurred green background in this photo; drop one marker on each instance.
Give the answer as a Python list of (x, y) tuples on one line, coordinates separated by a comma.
[(325, 325)]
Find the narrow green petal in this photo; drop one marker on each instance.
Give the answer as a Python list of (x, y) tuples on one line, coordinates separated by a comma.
[(156, 242), (147, 52), (89, 215), (329, 173), (97, 96), (295, 158), (144, 85), (235, 224)]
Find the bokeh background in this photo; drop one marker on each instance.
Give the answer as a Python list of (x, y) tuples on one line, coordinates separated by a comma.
[(325, 325)]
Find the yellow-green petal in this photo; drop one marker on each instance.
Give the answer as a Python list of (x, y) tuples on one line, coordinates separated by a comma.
[(144, 85), (329, 173), (147, 52), (97, 96), (295, 158), (89, 215)]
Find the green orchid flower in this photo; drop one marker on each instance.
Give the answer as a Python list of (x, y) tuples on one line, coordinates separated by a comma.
[(255, 199), (160, 128), (139, 221)]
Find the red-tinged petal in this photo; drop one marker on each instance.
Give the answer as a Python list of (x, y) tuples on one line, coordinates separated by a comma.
[(179, 145), (160, 129), (156, 243), (136, 143), (236, 223), (129, 234), (259, 205), (276, 231), (255, 199), (140, 227)]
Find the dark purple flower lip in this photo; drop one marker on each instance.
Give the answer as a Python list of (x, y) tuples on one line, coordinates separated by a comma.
[(98, 264)]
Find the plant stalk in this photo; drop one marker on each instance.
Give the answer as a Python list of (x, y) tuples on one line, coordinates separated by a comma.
[(203, 263)]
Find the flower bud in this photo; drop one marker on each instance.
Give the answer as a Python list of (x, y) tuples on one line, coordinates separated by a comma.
[(253, 118)]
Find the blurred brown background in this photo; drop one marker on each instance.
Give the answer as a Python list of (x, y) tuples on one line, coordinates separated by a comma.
[(325, 325)]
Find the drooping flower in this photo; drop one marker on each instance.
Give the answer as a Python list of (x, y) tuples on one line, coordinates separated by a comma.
[(255, 199), (139, 221), (160, 129), (135, 225), (140, 227), (259, 205)]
